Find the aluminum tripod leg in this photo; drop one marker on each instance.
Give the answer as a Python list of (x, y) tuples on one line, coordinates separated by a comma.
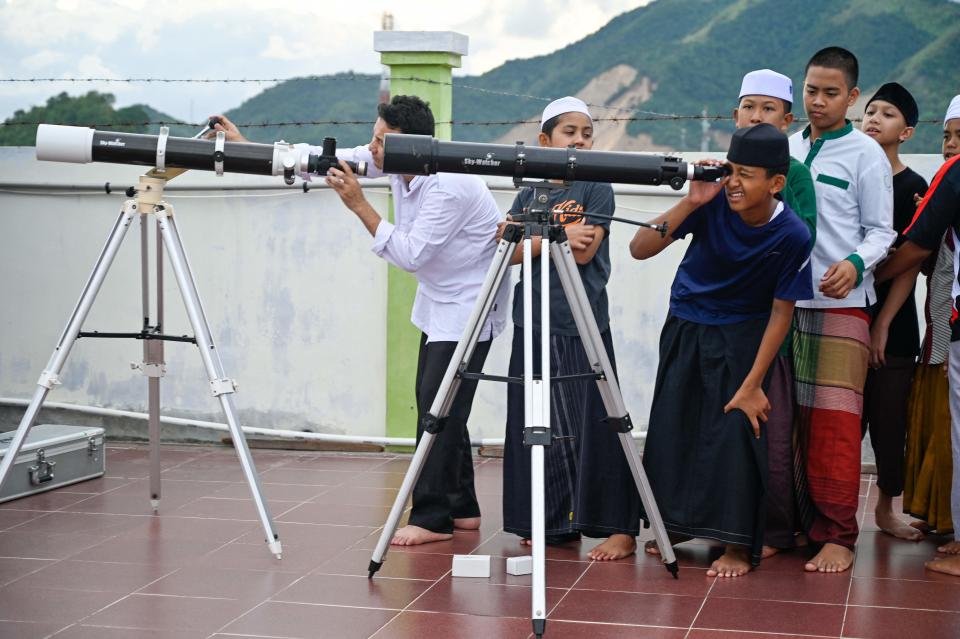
[(609, 390), (51, 374), (221, 387), (153, 364), (536, 428), (446, 393)]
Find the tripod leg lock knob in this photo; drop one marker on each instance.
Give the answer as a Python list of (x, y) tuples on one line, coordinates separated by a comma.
[(537, 436), (432, 424), (621, 424), (48, 380)]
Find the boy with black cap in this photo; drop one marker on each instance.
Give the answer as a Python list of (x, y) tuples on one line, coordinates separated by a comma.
[(705, 452), (890, 117), (831, 337)]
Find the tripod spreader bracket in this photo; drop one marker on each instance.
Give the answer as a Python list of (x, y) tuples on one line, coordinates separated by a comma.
[(223, 386), (537, 436), (149, 370), (620, 424), (432, 424)]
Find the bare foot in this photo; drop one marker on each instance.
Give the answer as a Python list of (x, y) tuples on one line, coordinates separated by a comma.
[(946, 565), (922, 526), (651, 548), (615, 547), (734, 562), (953, 548), (770, 551), (415, 535), (889, 523), (831, 558), (467, 523)]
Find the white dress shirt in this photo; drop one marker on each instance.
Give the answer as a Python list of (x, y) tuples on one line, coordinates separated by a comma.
[(854, 188), (444, 235)]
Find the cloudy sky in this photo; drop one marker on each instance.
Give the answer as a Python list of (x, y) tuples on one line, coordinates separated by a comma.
[(253, 39)]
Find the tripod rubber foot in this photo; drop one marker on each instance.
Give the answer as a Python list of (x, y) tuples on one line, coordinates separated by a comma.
[(539, 626), (373, 568), (155, 504), (276, 548), (674, 569)]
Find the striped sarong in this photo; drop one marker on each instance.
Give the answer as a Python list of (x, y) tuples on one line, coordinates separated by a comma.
[(831, 348)]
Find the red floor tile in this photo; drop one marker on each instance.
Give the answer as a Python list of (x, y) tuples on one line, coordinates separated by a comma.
[(477, 597), (101, 632), (770, 616), (401, 565), (28, 630), (674, 611), (93, 576), (169, 613), (339, 514), (305, 621), (201, 581), (13, 568), (343, 590), (896, 623), (895, 593), (649, 578), (427, 625), (53, 606), (786, 586), (574, 630), (44, 545)]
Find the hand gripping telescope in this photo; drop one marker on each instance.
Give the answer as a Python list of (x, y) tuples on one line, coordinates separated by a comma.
[(423, 155), (58, 143)]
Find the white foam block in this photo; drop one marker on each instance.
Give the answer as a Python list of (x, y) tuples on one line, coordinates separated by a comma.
[(520, 565), (471, 565)]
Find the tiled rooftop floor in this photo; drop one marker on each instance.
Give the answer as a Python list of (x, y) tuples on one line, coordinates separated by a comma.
[(92, 561)]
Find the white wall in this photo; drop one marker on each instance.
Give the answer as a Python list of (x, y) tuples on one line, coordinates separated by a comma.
[(294, 296)]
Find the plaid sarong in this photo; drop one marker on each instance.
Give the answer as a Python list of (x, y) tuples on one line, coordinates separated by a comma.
[(831, 348)]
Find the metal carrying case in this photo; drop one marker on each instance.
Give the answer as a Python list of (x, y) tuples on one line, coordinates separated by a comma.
[(52, 456)]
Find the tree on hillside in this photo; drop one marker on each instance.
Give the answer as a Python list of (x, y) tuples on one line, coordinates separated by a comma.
[(91, 109)]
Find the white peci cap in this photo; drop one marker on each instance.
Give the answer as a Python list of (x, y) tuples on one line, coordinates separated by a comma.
[(568, 104), (767, 82)]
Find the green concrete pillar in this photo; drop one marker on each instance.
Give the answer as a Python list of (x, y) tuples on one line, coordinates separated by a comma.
[(421, 63)]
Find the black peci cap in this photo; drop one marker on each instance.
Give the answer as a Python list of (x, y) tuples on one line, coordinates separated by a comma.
[(898, 96), (761, 145)]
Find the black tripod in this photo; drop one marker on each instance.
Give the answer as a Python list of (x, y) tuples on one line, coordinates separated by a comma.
[(537, 221)]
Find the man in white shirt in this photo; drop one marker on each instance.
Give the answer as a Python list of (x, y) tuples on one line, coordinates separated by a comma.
[(444, 235)]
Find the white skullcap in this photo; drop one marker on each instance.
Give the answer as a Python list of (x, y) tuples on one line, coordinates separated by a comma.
[(569, 104), (767, 82), (953, 111)]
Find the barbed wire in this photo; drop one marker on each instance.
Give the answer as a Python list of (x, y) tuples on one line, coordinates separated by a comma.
[(639, 115)]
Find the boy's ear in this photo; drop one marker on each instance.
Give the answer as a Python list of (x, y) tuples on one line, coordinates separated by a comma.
[(777, 183), (543, 139), (736, 115), (906, 134), (854, 94), (787, 121)]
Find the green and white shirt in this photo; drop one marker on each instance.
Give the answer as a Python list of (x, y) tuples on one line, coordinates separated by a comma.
[(854, 187)]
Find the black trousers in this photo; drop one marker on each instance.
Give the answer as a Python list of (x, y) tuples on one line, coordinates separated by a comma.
[(885, 397), (445, 491), (707, 470), (588, 486)]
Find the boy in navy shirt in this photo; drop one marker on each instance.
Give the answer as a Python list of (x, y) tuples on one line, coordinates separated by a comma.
[(705, 452)]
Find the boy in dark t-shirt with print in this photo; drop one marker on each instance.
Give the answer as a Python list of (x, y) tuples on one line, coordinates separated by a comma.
[(589, 487)]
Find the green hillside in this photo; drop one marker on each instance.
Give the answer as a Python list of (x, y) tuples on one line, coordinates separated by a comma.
[(693, 52), (669, 57)]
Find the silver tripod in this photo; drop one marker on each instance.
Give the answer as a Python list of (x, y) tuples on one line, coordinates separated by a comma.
[(537, 435), (149, 203)]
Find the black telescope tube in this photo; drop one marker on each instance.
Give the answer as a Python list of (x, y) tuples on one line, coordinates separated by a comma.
[(424, 155), (183, 153)]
